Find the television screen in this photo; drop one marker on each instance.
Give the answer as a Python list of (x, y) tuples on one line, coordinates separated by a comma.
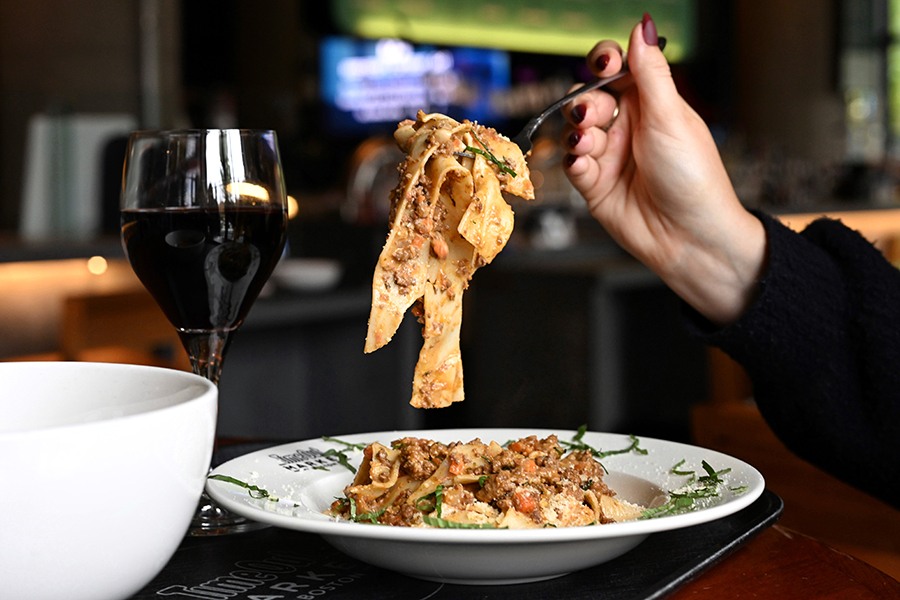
[(368, 86)]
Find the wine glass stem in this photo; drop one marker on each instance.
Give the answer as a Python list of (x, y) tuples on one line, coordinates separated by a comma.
[(206, 351)]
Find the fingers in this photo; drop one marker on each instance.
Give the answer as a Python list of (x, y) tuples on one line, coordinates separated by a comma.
[(595, 109), (591, 114), (606, 58), (598, 109), (586, 131), (649, 91), (588, 163)]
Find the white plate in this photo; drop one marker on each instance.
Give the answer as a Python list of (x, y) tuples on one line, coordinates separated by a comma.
[(307, 274), (305, 483)]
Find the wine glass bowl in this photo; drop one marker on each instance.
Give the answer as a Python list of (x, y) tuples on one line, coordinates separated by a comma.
[(204, 217), (204, 222)]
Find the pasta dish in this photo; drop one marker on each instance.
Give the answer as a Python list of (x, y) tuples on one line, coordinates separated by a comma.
[(448, 218), (528, 483)]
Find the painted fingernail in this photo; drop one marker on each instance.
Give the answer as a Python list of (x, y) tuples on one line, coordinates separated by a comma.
[(578, 113), (569, 160), (602, 62), (649, 29), (574, 138)]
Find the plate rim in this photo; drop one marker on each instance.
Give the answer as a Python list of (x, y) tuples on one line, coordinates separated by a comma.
[(225, 494)]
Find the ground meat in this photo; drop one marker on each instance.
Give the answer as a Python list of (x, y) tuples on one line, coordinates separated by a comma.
[(497, 490), (581, 466), (526, 463), (419, 458), (400, 513)]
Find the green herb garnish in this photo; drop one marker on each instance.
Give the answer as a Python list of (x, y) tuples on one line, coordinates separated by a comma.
[(340, 455), (698, 488), (432, 502), (486, 152), (578, 444), (254, 491), (370, 517), (676, 471), (445, 524)]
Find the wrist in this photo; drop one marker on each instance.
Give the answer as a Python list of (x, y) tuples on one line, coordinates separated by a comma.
[(718, 272)]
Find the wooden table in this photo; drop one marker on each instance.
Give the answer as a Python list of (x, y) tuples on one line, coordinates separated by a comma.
[(780, 563)]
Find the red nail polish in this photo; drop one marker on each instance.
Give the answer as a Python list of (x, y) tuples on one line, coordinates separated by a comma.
[(578, 113), (649, 29), (602, 62), (574, 138), (569, 160)]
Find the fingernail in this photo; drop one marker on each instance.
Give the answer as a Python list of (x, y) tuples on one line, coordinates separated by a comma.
[(569, 160), (649, 28), (574, 138), (578, 113), (602, 62)]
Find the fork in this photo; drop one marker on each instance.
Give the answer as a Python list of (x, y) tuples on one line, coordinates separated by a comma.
[(523, 138)]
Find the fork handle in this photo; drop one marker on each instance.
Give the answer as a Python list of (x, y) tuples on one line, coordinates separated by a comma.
[(536, 121)]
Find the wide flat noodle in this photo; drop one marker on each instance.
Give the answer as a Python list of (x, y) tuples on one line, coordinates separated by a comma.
[(448, 218)]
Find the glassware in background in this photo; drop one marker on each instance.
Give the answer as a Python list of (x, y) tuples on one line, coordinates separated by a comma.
[(204, 221)]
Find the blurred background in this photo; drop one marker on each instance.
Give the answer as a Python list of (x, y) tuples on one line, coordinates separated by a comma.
[(801, 96)]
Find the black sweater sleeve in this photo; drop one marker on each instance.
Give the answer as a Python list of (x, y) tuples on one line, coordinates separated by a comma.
[(821, 344)]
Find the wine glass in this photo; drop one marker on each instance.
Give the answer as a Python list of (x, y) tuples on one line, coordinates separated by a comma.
[(204, 221)]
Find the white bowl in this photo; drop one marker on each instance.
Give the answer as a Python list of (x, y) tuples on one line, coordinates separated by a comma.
[(102, 466)]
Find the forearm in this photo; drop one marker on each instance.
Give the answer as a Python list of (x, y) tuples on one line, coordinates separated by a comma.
[(820, 346)]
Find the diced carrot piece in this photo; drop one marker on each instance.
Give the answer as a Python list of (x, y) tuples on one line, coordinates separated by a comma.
[(517, 446), (456, 463), (524, 501)]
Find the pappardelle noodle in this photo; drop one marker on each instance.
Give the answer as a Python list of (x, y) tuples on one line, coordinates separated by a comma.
[(526, 483), (448, 218)]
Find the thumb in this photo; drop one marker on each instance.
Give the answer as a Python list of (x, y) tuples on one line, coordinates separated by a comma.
[(650, 70)]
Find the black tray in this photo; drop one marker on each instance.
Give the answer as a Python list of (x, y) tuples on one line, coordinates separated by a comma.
[(276, 563)]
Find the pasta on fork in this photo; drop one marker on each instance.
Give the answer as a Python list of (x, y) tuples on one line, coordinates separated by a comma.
[(448, 218)]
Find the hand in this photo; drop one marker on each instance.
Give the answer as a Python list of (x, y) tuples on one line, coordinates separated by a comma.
[(653, 177)]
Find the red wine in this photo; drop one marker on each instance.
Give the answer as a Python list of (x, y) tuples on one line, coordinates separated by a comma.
[(204, 267)]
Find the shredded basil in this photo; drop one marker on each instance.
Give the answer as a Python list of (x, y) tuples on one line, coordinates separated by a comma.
[(432, 502), (577, 443), (254, 491), (341, 455), (445, 524), (486, 152), (367, 517), (697, 488), (675, 470)]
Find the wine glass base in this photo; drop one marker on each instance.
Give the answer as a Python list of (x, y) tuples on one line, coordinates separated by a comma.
[(212, 520)]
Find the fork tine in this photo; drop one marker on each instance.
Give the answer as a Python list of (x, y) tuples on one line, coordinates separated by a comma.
[(523, 139)]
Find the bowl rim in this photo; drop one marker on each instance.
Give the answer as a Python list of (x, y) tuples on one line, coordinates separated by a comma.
[(209, 393)]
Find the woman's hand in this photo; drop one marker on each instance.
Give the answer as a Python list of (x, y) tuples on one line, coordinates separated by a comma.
[(655, 181)]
